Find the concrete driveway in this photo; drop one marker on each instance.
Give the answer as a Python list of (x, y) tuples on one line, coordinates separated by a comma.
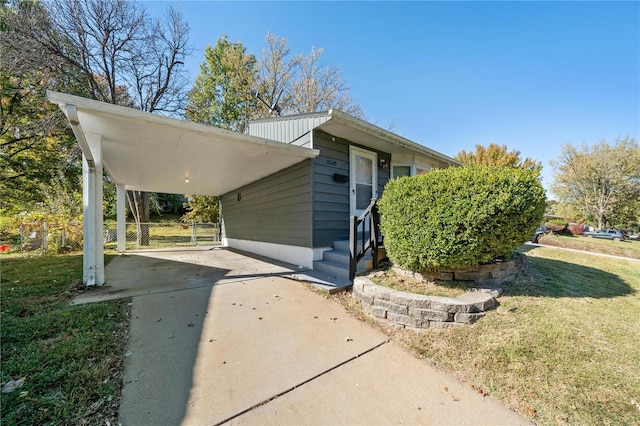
[(220, 337)]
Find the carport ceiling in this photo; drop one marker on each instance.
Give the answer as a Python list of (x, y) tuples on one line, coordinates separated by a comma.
[(149, 152)]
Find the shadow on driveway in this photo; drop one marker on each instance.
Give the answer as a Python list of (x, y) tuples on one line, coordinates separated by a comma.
[(218, 337), (171, 291)]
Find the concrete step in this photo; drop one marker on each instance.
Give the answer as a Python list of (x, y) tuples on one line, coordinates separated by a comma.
[(336, 256), (341, 270), (332, 269), (335, 262), (342, 257), (343, 245)]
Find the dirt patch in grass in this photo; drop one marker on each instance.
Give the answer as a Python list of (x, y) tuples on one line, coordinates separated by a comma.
[(69, 357), (562, 346), (390, 279)]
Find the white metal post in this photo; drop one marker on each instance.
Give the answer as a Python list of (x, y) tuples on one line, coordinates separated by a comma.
[(93, 262), (96, 146), (121, 218), (88, 223)]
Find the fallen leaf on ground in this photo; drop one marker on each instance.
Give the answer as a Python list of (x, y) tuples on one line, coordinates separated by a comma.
[(479, 390), (12, 385)]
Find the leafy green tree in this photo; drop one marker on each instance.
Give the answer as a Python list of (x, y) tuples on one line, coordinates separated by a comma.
[(110, 49), (602, 180), (202, 208), (497, 155), (234, 87), (222, 94), (36, 148)]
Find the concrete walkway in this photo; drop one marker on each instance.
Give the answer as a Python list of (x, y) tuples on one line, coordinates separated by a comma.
[(219, 337)]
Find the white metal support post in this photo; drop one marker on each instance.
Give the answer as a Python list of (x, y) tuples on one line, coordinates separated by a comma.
[(121, 215), (93, 259)]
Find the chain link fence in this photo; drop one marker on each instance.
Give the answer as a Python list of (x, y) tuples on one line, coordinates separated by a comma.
[(163, 235), (43, 238)]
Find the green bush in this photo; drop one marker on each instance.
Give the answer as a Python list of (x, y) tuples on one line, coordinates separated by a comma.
[(459, 216)]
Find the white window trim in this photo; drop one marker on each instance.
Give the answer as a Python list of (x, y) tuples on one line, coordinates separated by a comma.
[(412, 168)]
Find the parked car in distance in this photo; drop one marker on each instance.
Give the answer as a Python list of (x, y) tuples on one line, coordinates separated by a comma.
[(539, 233), (609, 234)]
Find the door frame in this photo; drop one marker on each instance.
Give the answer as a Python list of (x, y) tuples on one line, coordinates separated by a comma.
[(373, 156)]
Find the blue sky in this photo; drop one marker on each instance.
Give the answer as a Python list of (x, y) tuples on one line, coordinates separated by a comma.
[(531, 75)]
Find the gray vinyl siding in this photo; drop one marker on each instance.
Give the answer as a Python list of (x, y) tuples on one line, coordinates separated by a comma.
[(276, 209), (331, 198), (293, 130)]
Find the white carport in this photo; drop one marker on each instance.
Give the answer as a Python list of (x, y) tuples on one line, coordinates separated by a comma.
[(154, 153)]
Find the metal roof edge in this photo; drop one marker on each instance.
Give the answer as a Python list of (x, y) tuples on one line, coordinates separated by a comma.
[(356, 123), (291, 117), (63, 100)]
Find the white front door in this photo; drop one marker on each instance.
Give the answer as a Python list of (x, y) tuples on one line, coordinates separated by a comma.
[(363, 179)]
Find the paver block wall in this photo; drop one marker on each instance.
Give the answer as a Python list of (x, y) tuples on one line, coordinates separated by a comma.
[(402, 309), (488, 275)]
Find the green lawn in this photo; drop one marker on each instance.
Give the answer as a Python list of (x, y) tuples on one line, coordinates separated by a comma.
[(561, 348), (628, 248), (70, 358)]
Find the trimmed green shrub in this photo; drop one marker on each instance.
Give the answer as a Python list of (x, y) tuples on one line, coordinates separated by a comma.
[(459, 216)]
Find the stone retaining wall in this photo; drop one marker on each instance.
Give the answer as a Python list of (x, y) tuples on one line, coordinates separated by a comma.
[(487, 275), (417, 311)]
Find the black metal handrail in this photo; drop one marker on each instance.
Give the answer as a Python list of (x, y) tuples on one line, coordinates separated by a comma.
[(370, 241)]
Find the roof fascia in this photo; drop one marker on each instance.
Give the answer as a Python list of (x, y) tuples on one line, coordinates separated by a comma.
[(65, 100), (363, 126)]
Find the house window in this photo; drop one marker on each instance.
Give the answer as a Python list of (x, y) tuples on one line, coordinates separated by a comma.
[(400, 171)]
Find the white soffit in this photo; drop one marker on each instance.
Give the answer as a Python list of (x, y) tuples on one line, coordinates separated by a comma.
[(154, 153)]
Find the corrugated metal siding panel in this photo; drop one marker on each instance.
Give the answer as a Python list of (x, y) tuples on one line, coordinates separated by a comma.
[(286, 129), (331, 198), (276, 209)]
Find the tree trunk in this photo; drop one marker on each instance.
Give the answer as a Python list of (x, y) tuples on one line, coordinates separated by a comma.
[(139, 205), (602, 219)]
